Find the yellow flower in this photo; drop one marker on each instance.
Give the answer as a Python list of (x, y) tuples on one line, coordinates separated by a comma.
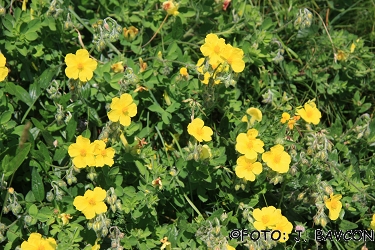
[(285, 117), (334, 205), (248, 145), (266, 218), (341, 55), (3, 69), (200, 132), (234, 57), (166, 243), (200, 65), (92, 203), (372, 224), (65, 218), (80, 65), (229, 247), (36, 242), (117, 67), (82, 152), (214, 48), (256, 115), (206, 78), (248, 168), (96, 246), (352, 48), (285, 227), (277, 159), (244, 118), (130, 33), (142, 65), (122, 109), (103, 156), (171, 8), (184, 72), (310, 113), (205, 152), (291, 124)]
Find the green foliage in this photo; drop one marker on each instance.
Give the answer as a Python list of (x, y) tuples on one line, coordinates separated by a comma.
[(164, 183)]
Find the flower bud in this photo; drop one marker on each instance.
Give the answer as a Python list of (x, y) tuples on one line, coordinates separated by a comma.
[(2, 11), (96, 226), (104, 232), (16, 208), (6, 209), (28, 219), (91, 176)]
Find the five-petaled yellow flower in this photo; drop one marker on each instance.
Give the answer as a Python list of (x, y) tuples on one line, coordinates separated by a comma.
[(248, 145), (80, 65), (277, 159), (234, 57), (117, 67), (310, 113), (248, 168), (334, 205), (122, 109), (82, 152), (214, 47), (103, 156), (3, 69), (92, 203), (200, 132), (267, 217), (36, 242)]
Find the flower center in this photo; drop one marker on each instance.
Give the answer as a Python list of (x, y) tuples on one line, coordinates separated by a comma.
[(334, 204), (309, 113), (103, 153), (92, 202), (277, 158), (83, 152), (265, 219), (249, 167), (40, 248), (217, 49), (250, 145), (125, 110), (200, 132), (80, 66)]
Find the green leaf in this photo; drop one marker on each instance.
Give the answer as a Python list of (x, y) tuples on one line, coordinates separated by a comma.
[(33, 210), (19, 92), (347, 225), (37, 185), (71, 129), (5, 117), (365, 107), (177, 30), (31, 36), (10, 167)]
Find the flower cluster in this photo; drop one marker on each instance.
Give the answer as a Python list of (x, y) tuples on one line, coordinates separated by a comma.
[(271, 218), (85, 153), (285, 117), (80, 65), (334, 205), (3, 69), (92, 203), (219, 57), (247, 166), (36, 242), (122, 109)]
